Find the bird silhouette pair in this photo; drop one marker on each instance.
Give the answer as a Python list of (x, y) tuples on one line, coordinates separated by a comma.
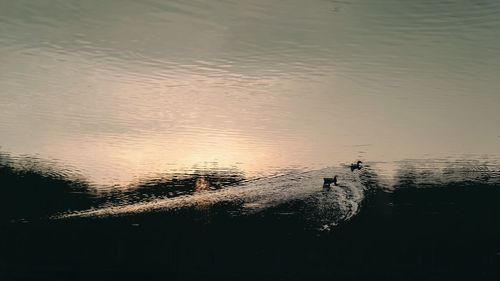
[(328, 181)]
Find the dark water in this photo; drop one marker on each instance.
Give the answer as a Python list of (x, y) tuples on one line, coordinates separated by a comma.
[(436, 220), (184, 140), (121, 90)]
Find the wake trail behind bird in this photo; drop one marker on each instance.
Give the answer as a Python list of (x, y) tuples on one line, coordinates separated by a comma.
[(253, 196)]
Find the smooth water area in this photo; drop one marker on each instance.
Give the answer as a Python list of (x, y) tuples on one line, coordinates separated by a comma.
[(119, 91)]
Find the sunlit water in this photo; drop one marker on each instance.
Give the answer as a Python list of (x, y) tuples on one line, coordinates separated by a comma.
[(120, 91)]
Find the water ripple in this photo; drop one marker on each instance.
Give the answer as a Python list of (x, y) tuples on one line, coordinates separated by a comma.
[(120, 90)]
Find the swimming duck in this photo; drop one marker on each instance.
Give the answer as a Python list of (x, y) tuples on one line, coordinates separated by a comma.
[(356, 166), (328, 181)]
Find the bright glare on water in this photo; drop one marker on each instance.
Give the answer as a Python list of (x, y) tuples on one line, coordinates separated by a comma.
[(122, 90)]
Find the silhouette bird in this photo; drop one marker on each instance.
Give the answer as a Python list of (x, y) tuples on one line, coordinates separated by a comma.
[(328, 181), (356, 166)]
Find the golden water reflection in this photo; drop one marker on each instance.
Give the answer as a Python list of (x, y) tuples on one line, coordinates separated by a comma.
[(132, 90)]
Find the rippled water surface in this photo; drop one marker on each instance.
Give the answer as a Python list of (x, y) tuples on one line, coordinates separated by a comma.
[(191, 139), (119, 91)]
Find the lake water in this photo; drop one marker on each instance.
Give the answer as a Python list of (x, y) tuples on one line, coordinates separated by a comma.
[(118, 91), (189, 140)]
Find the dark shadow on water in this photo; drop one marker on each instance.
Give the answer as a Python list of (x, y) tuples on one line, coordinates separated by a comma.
[(448, 230), (32, 188)]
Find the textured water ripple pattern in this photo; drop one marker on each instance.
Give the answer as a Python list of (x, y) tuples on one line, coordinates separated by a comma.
[(301, 193), (431, 173), (125, 90), (324, 207)]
